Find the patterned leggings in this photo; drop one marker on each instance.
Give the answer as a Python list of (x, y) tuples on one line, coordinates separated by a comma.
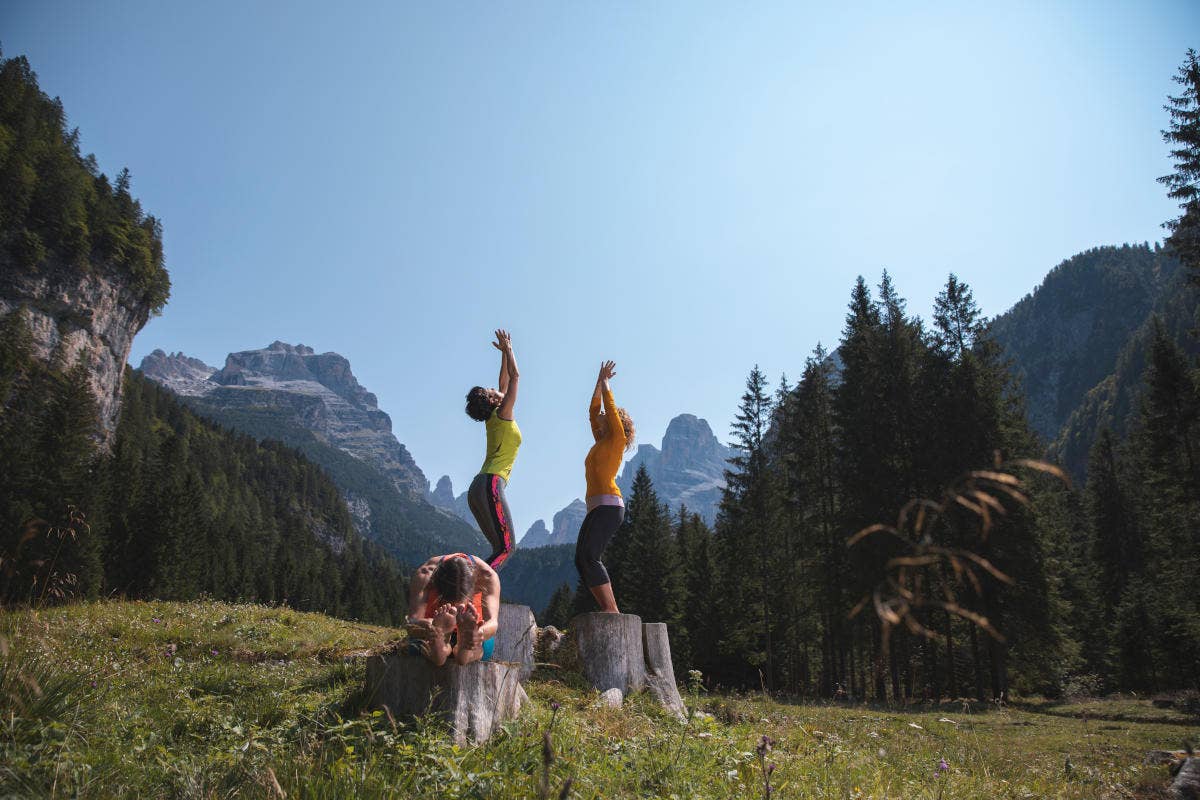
[(487, 502)]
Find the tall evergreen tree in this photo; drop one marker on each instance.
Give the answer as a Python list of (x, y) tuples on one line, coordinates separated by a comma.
[(1183, 185)]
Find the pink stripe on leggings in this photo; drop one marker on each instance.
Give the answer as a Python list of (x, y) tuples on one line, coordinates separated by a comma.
[(501, 524)]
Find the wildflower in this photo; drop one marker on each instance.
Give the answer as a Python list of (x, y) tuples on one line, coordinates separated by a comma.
[(764, 746), (156, 621), (213, 651), (555, 706), (942, 766)]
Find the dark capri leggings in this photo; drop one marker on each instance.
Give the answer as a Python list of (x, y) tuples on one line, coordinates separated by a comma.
[(595, 533), (488, 504)]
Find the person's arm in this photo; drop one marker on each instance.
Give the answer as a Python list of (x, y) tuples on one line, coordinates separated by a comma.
[(489, 586), (615, 429), (594, 406), (417, 590), (510, 393), (502, 381)]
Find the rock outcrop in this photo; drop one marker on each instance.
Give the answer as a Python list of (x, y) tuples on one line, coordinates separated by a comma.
[(90, 316), (444, 498), (537, 535), (689, 469), (317, 391), (567, 522)]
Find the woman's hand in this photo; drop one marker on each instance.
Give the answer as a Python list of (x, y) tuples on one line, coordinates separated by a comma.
[(608, 369)]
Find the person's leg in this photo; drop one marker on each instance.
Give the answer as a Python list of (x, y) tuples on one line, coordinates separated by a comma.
[(438, 649), (480, 501), (501, 522), (467, 622), (598, 529)]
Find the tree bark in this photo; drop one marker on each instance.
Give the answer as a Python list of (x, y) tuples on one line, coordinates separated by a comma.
[(473, 700), (617, 652), (515, 638)]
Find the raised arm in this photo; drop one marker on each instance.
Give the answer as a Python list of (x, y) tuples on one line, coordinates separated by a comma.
[(504, 341), (502, 381), (616, 430), (594, 406)]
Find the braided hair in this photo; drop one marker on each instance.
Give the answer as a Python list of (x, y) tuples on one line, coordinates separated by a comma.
[(454, 579)]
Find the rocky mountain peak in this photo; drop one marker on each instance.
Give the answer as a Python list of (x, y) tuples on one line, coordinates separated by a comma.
[(689, 468), (538, 535), (294, 383)]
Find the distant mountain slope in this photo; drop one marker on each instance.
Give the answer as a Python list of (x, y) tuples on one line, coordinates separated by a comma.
[(1114, 401), (531, 574), (444, 498), (1066, 336), (314, 404), (689, 469)]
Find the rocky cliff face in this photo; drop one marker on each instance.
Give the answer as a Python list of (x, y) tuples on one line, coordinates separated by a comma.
[(444, 498), (90, 316), (567, 522), (537, 535), (316, 391), (688, 469)]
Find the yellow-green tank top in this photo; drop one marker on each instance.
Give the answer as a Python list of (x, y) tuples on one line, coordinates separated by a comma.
[(503, 442)]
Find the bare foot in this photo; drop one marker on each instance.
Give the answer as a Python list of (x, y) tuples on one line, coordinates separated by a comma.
[(468, 622), (444, 620), (469, 647)]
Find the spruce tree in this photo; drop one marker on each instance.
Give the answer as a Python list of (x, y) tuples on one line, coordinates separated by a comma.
[(1183, 185)]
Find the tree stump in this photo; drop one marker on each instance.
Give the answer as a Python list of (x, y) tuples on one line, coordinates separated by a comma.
[(610, 651), (1186, 784), (473, 700), (660, 674), (616, 651), (515, 637)]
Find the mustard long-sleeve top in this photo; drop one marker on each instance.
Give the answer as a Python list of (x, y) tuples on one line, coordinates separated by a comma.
[(604, 459)]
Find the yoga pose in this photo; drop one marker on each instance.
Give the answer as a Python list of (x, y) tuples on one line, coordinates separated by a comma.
[(453, 605), (494, 407), (613, 432)]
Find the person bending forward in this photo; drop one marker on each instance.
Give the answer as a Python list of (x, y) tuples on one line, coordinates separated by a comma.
[(454, 605), (613, 432)]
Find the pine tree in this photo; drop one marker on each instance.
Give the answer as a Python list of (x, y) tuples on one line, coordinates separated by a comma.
[(746, 533), (1184, 183), (560, 608)]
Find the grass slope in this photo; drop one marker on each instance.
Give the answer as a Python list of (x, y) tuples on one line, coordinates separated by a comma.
[(216, 700)]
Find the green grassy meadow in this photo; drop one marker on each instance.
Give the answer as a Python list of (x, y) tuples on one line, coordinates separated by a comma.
[(214, 700)]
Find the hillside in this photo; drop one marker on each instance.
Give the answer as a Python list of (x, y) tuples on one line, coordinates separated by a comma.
[(212, 699), (312, 402), (1064, 337)]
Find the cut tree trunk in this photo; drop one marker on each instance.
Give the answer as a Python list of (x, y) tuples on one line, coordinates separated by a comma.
[(617, 652), (473, 700), (660, 675), (515, 637), (610, 651)]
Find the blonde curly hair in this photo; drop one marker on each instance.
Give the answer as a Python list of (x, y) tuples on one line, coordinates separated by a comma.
[(626, 423)]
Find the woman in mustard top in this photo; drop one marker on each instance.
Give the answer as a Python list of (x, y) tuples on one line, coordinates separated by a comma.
[(613, 432), (494, 408)]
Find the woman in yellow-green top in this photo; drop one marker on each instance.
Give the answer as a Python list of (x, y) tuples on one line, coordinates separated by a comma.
[(494, 408), (613, 431)]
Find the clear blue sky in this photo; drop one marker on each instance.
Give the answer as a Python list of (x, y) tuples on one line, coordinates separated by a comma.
[(687, 188)]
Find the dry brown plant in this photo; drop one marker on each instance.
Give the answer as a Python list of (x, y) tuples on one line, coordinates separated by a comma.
[(985, 496)]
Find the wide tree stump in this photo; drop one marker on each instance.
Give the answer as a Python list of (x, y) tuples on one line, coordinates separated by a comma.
[(618, 652), (610, 651), (473, 700), (515, 637)]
